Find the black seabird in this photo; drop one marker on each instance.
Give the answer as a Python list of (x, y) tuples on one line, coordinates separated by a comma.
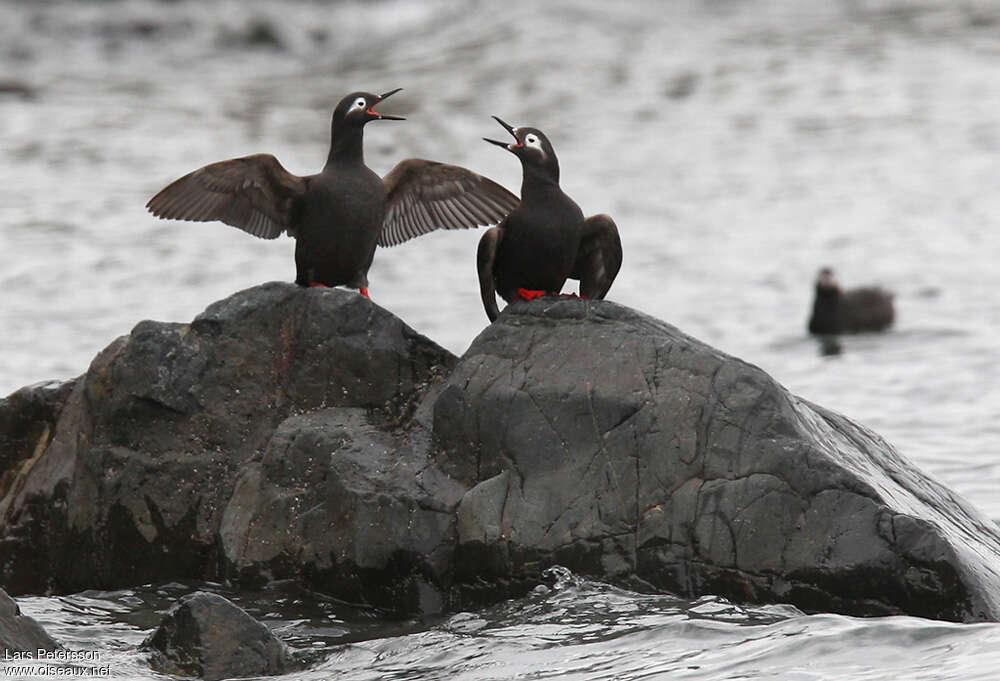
[(869, 308), (339, 215), (545, 240)]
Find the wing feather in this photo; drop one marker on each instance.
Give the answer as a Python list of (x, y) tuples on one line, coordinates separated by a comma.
[(426, 195), (451, 218), (599, 256), (254, 193), (463, 211)]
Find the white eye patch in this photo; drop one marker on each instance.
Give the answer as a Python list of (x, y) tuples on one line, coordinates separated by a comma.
[(530, 140), (360, 103)]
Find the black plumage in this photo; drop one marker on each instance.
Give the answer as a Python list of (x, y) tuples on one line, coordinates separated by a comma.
[(545, 240), (339, 215), (868, 308)]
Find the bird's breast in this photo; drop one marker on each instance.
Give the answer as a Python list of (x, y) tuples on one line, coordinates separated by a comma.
[(537, 251), (345, 204)]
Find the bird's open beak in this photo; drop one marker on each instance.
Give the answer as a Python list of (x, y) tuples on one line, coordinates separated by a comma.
[(508, 128), (381, 116)]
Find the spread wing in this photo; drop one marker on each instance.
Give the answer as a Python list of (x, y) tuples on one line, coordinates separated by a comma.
[(599, 256), (427, 195), (254, 193)]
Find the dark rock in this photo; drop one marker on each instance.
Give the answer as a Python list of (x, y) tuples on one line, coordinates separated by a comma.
[(681, 85), (262, 33), (259, 33), (351, 509), (27, 421), (308, 434), (20, 633), (17, 89), (611, 443), (143, 460), (207, 636)]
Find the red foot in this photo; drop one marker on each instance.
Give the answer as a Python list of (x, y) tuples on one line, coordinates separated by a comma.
[(364, 292), (529, 294), (313, 284)]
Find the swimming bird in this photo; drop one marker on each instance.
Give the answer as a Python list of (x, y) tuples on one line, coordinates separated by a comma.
[(339, 215), (545, 240), (868, 308)]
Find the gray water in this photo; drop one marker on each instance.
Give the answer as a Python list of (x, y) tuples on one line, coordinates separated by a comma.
[(740, 145)]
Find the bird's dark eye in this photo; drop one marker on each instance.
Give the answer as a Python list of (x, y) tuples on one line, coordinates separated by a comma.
[(360, 103), (531, 139)]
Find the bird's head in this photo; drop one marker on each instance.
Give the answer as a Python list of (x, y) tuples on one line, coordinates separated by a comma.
[(531, 146), (358, 108), (826, 282)]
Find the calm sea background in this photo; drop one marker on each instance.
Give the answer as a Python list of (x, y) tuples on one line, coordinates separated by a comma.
[(739, 144)]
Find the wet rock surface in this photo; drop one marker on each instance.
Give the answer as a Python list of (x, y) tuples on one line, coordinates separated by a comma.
[(207, 636), (354, 509), (304, 434), (612, 443), (20, 633), (133, 483), (27, 420)]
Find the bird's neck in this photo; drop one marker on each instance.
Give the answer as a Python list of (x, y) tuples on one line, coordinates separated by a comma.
[(346, 146), (828, 293), (538, 183)]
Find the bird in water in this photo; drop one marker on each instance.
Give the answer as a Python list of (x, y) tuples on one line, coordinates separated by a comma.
[(339, 215), (545, 240), (868, 308)]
